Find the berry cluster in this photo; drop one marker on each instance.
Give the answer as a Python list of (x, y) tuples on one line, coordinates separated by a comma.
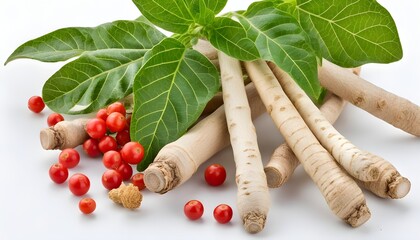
[(109, 138)]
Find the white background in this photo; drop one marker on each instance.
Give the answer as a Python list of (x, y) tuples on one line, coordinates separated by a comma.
[(32, 206)]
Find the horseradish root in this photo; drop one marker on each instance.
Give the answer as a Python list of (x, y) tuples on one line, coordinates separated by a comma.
[(356, 162), (65, 134), (178, 161), (340, 191), (253, 199), (389, 107), (283, 161)]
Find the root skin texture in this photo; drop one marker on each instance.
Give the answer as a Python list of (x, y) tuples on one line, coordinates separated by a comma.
[(253, 199), (356, 162), (65, 134), (387, 106), (283, 161), (340, 191), (178, 161)]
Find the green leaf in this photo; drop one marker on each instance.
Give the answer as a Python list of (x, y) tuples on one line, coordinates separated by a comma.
[(214, 5), (280, 39), (172, 15), (351, 33), (203, 15), (93, 81), (231, 38), (170, 92), (66, 43)]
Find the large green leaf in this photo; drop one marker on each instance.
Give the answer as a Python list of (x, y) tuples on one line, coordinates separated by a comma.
[(93, 81), (279, 38), (231, 38), (351, 32), (172, 15), (66, 43), (170, 92)]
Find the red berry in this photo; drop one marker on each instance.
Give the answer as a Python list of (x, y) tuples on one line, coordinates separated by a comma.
[(215, 175), (132, 152), (69, 157), (58, 173), (107, 143), (112, 159), (123, 137), (87, 205), (91, 148), (96, 128), (223, 213), (116, 107), (116, 122), (193, 209), (102, 114), (111, 179), (36, 104), (79, 184), (54, 118), (138, 181), (125, 170)]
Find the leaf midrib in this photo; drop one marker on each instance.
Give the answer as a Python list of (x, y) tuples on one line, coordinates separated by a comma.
[(154, 137)]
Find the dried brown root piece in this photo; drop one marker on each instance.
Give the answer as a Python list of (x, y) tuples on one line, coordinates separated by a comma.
[(129, 196)]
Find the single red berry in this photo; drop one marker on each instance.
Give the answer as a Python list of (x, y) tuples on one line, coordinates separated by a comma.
[(132, 152), (79, 184), (125, 170), (116, 122), (107, 143), (96, 128), (91, 148), (87, 205), (69, 157), (215, 175), (112, 159), (138, 181), (111, 179), (123, 137), (116, 107), (223, 213), (36, 104), (54, 118), (193, 209), (58, 173), (102, 114)]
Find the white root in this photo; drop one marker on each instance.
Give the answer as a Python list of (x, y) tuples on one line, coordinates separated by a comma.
[(356, 162), (387, 106), (340, 191), (253, 199), (283, 161)]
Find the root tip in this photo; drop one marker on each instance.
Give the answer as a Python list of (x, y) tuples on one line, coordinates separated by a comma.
[(47, 138), (399, 188), (274, 177), (161, 176), (359, 216), (254, 222), (154, 179)]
